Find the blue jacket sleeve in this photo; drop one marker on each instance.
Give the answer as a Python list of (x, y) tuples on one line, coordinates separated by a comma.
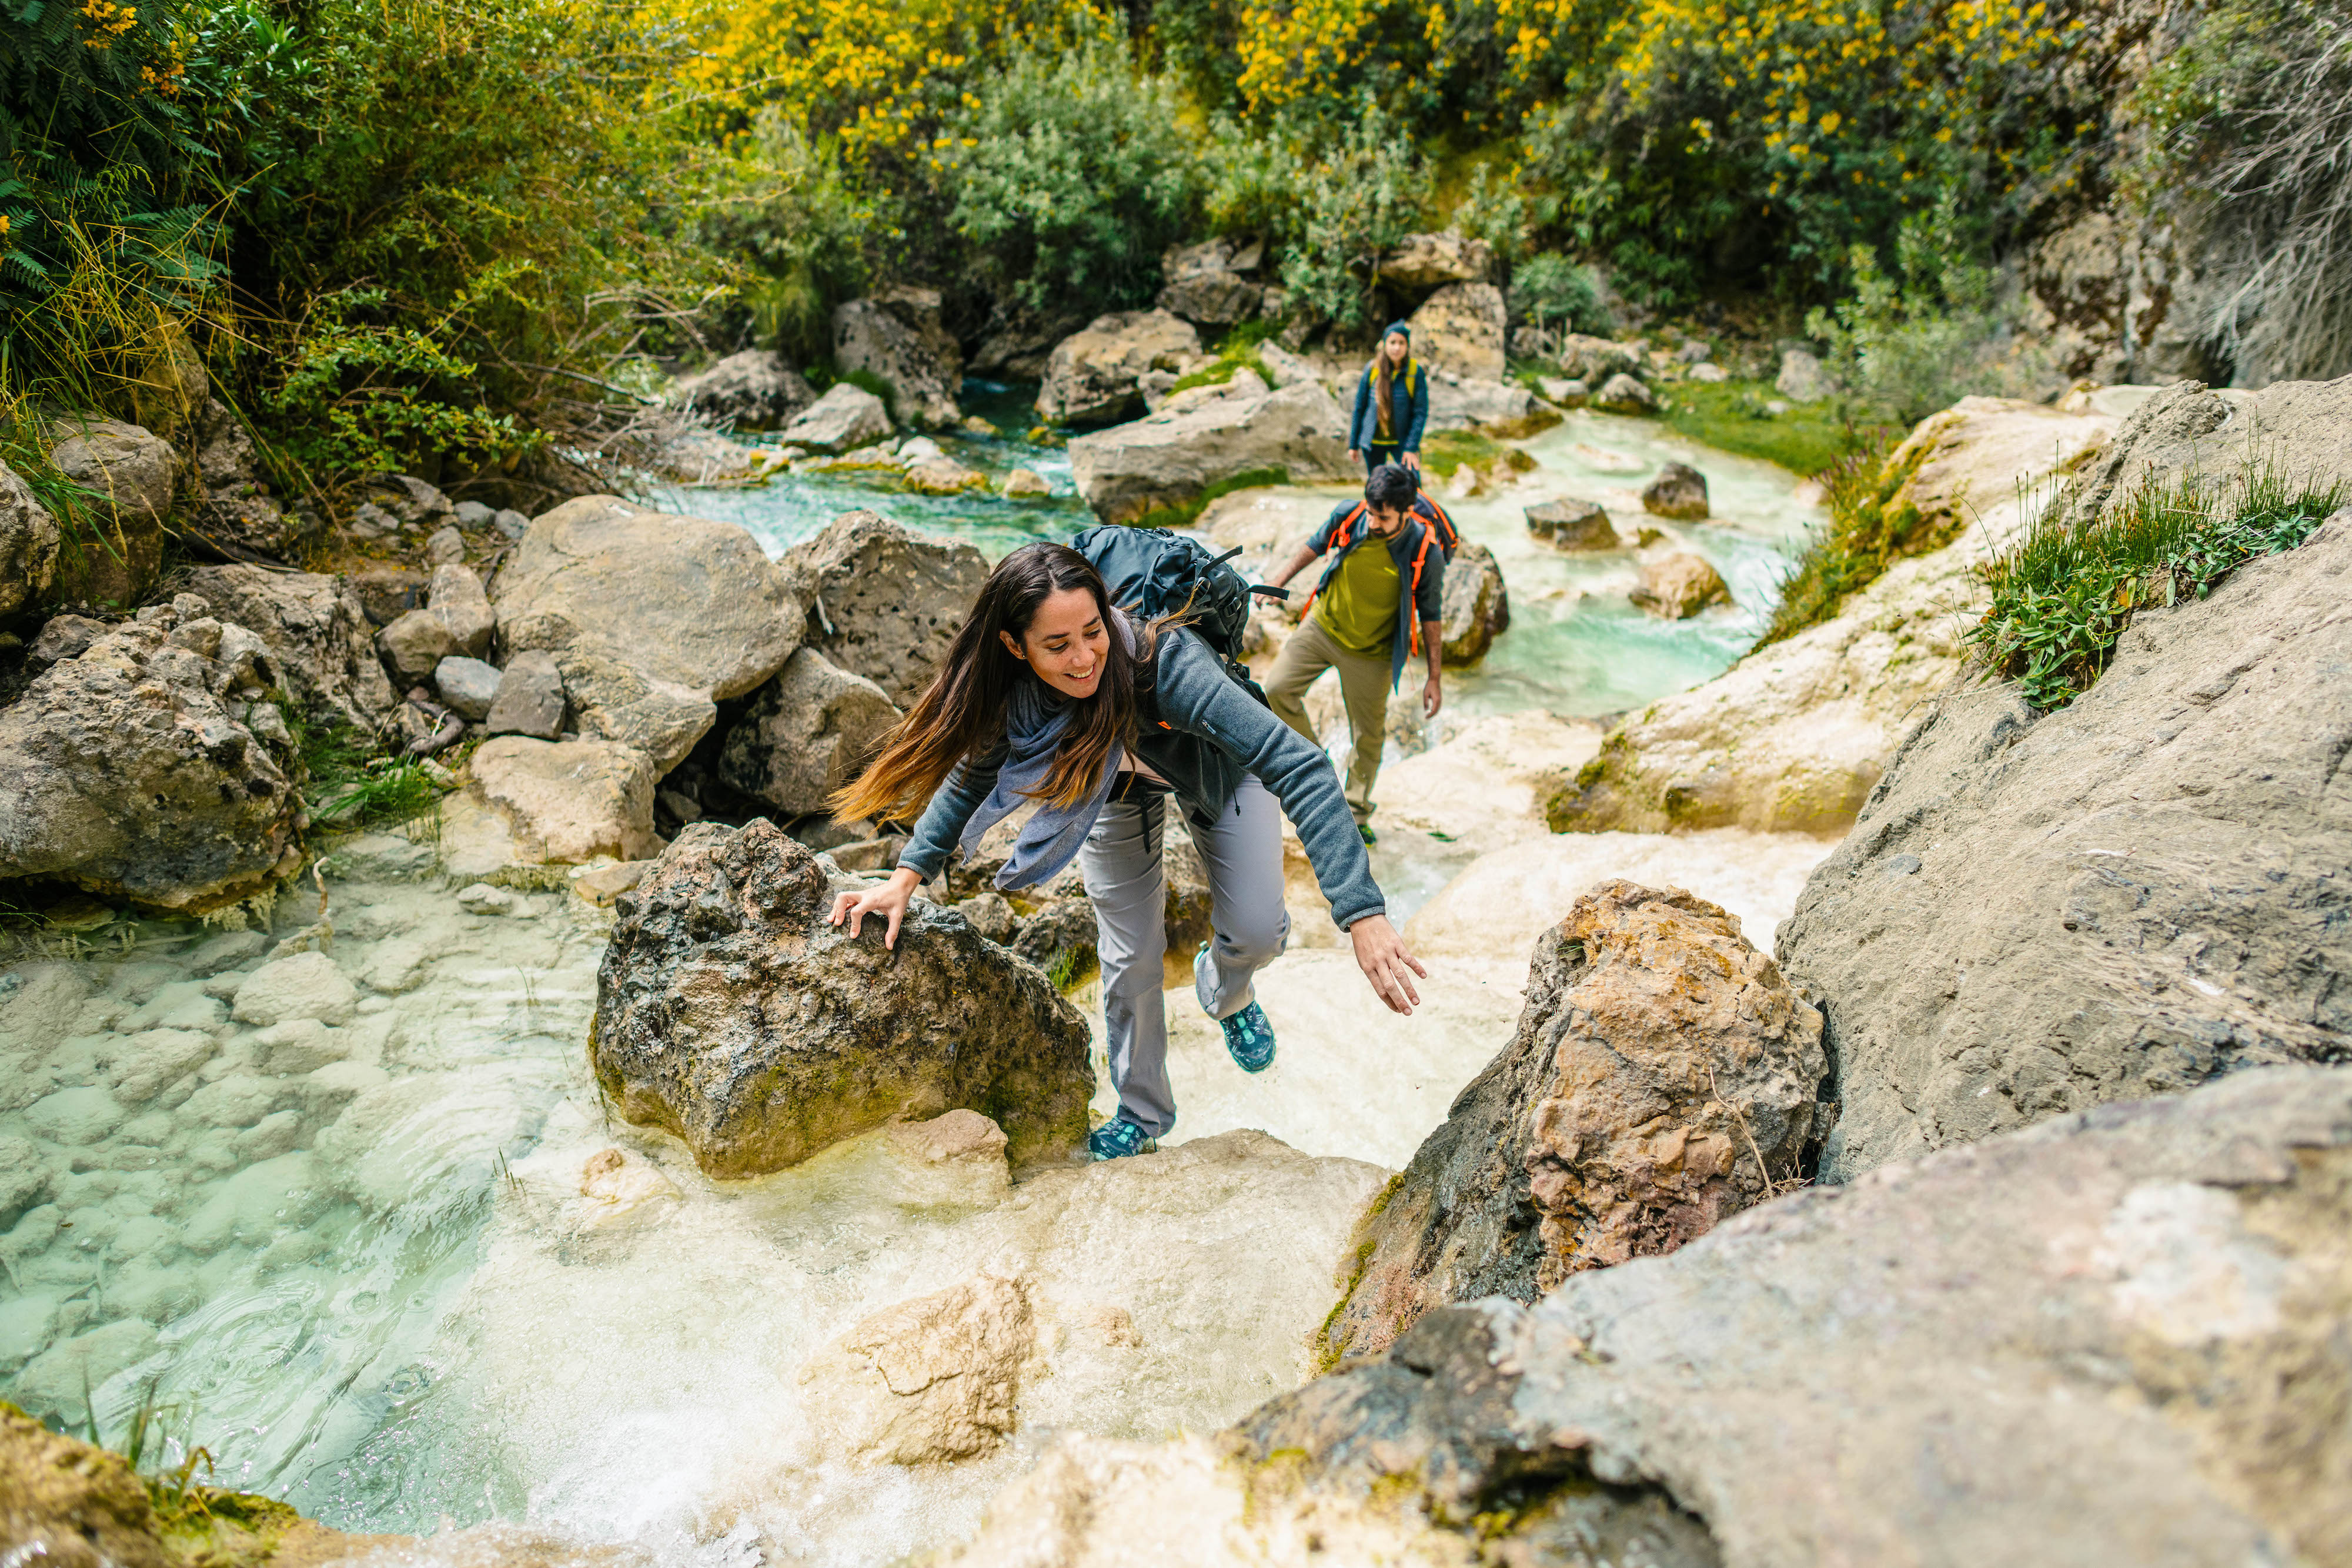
[(942, 823), (1420, 409), (1430, 598), (1363, 401), (1196, 694)]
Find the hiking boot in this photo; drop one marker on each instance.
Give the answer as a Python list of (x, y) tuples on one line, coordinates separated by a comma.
[(1250, 1038), (1366, 828), (1117, 1138)]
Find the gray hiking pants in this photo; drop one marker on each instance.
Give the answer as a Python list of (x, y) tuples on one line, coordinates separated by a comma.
[(1127, 880)]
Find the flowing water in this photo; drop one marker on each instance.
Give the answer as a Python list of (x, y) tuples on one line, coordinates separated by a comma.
[(350, 1253)]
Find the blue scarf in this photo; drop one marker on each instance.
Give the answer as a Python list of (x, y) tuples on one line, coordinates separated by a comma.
[(1034, 721)]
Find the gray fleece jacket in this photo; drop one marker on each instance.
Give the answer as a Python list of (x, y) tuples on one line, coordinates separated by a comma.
[(1200, 731)]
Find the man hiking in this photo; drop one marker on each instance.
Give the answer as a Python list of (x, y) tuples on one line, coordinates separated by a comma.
[(1380, 599), (1391, 404)]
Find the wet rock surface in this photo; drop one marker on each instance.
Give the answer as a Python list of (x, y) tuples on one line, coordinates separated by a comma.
[(2128, 896), (844, 419), (29, 543), (2088, 1340), (1171, 457), (931, 1380), (731, 1013), (1679, 586), (568, 801), (1662, 1078)]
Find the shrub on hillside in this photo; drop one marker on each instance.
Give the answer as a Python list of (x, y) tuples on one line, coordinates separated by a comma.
[(1072, 173)]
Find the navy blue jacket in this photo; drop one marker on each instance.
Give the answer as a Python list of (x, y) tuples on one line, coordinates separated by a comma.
[(1421, 571), (1408, 409), (1200, 731)]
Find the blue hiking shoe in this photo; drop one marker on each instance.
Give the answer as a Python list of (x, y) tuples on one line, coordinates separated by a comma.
[(1250, 1038), (1117, 1138)]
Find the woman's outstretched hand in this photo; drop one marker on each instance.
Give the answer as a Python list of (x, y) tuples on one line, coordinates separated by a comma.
[(1382, 955), (888, 900)]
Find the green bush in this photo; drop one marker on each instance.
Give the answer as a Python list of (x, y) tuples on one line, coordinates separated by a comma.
[(1331, 196), (1072, 173), (1927, 334), (1550, 290), (783, 209), (2064, 593)]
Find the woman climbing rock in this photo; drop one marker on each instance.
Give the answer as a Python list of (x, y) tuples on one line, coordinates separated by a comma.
[(1051, 695), (1391, 404)]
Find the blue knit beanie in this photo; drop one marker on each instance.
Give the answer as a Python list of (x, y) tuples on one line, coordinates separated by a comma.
[(1401, 329)]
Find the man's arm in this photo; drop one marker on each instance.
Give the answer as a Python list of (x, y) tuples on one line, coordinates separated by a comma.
[(1297, 563), (1432, 695)]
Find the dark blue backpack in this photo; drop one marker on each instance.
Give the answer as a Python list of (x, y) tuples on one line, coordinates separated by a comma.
[(1155, 572)]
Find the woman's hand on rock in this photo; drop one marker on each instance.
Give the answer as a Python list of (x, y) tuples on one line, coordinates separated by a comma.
[(888, 900), (1386, 962)]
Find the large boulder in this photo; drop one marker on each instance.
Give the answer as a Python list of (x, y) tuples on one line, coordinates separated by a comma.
[(731, 1013), (1430, 261), (755, 390), (128, 475), (568, 801), (898, 336), (1792, 737), (1466, 403), (317, 633), (29, 542), (651, 617), (844, 419), (1093, 374), (1478, 605), (1208, 283), (1661, 1081), (1679, 491), (2128, 896), (1677, 587), (1173, 459), (805, 734), (882, 600), (1594, 359), (1461, 329), (2101, 1341), (1573, 524), (138, 769)]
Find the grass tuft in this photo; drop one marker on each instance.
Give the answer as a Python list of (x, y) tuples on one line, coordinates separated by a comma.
[(353, 783), (1867, 533), (2063, 594)]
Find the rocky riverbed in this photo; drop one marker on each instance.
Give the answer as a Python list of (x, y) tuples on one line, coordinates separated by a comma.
[(542, 1180)]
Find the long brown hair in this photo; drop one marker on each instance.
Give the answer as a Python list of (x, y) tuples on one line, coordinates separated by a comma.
[(961, 711)]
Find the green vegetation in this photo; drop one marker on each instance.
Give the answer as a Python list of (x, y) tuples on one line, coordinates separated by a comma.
[(1868, 531), (1181, 514), (1447, 450), (350, 783), (1732, 417), (2064, 593)]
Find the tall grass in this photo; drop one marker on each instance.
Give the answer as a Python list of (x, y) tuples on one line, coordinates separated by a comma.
[(1867, 533), (352, 784), (2063, 594)]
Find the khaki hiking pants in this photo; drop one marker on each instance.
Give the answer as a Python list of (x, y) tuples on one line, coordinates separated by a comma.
[(1364, 687)]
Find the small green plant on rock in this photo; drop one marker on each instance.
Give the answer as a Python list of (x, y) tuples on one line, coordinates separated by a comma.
[(1868, 531), (2063, 594)]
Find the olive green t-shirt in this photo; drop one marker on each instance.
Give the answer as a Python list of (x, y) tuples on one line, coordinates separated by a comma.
[(1359, 608)]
